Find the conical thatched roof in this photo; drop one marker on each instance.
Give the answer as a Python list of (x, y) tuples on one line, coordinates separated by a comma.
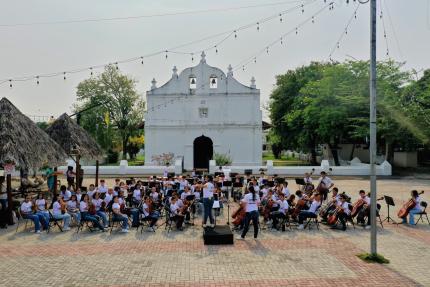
[(23, 142), (68, 134)]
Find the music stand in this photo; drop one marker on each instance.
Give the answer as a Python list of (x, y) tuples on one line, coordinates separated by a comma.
[(389, 201), (300, 181)]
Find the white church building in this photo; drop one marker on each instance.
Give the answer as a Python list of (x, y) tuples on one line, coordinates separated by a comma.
[(201, 112)]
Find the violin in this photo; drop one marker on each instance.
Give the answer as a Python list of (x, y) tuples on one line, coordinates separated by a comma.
[(301, 204), (404, 211), (63, 206), (91, 208)]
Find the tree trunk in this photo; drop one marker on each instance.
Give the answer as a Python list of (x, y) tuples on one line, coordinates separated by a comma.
[(124, 147), (333, 149), (388, 151), (351, 156)]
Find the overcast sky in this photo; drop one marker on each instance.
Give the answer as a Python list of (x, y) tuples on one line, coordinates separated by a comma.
[(38, 49)]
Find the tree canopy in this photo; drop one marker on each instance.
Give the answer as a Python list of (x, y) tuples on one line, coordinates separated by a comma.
[(328, 103)]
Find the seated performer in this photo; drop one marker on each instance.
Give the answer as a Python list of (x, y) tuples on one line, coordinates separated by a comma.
[(176, 214), (65, 193), (364, 209), (27, 207), (343, 211), (100, 208), (118, 216), (147, 209), (59, 212), (73, 208), (416, 209), (331, 206), (312, 211), (85, 215), (281, 213), (42, 206)]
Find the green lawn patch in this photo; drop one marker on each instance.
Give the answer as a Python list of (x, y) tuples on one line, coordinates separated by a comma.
[(373, 258)]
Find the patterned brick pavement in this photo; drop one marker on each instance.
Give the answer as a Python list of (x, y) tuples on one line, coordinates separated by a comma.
[(291, 258)]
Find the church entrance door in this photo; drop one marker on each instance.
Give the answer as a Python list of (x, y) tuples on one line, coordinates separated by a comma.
[(203, 152)]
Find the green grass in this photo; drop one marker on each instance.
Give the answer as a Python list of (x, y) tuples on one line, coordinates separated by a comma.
[(283, 161), (370, 258)]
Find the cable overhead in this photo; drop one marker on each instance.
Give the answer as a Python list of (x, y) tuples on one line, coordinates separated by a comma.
[(148, 16), (172, 50)]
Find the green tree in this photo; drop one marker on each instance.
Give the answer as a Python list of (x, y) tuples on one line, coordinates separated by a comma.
[(120, 108)]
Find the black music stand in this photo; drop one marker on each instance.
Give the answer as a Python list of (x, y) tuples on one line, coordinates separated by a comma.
[(300, 181), (389, 201)]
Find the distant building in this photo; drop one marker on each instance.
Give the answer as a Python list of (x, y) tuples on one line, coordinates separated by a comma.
[(203, 111)]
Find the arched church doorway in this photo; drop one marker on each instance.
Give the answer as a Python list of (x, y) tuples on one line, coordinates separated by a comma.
[(203, 152)]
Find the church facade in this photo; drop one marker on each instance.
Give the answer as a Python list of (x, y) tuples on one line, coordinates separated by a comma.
[(202, 112)]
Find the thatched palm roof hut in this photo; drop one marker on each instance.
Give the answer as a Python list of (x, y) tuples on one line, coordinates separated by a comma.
[(69, 135), (23, 142)]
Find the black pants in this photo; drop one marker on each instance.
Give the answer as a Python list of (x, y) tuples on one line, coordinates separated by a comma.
[(362, 215), (253, 215), (342, 218), (276, 217)]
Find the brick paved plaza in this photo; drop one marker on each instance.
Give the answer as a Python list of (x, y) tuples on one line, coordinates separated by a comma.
[(291, 258)]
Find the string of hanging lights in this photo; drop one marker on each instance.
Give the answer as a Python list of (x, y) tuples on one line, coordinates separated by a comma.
[(166, 52)]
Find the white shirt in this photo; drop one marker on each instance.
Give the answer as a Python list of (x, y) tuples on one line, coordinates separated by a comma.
[(83, 206), (66, 195), (26, 207), (265, 191), (174, 208), (326, 180), (102, 188), (208, 191), (286, 191), (108, 198), (116, 206), (307, 180), (40, 203), (345, 207), (184, 195), (283, 206), (314, 206), (90, 193), (154, 196), (145, 208), (136, 194), (97, 203), (418, 203), (79, 196), (251, 205), (366, 199), (72, 206), (56, 208)]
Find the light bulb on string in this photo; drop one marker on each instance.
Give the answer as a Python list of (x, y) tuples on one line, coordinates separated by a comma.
[(37, 80), (313, 19), (388, 52), (116, 65), (346, 31), (243, 68), (64, 75), (338, 45), (141, 58), (380, 15), (355, 15), (216, 50), (10, 83), (258, 26), (267, 50), (192, 57), (303, 8), (385, 34), (91, 69), (297, 31), (255, 60), (281, 41), (235, 34), (280, 18), (166, 54)]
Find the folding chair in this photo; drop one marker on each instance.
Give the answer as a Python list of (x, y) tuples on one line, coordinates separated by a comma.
[(144, 221), (423, 212), (53, 222), (22, 218), (83, 223), (115, 222), (314, 220)]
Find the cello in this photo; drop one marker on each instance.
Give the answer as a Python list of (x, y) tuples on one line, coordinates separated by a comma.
[(239, 215), (404, 211)]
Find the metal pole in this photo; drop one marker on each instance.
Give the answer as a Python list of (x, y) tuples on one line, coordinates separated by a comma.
[(97, 173), (9, 199), (372, 147)]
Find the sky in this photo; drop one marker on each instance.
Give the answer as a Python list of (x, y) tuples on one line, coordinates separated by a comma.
[(35, 49)]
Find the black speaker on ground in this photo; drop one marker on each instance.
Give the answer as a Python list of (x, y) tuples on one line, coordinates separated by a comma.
[(220, 234), (248, 171)]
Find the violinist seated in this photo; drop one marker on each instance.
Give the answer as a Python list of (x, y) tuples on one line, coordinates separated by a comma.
[(148, 211), (308, 187), (315, 200), (190, 203), (343, 211), (100, 208), (65, 193), (281, 213), (364, 210), (73, 208), (27, 207), (175, 212), (155, 196), (109, 197), (42, 206), (118, 216), (84, 206), (416, 209), (270, 203), (59, 212), (334, 202), (137, 195)]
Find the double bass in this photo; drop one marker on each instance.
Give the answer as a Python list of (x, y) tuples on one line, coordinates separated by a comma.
[(239, 215), (404, 211), (332, 219)]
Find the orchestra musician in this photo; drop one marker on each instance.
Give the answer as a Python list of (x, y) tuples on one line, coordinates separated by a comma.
[(148, 211), (73, 208), (42, 206), (324, 185), (118, 216), (137, 194), (281, 213), (27, 208), (331, 206), (316, 200), (251, 201), (65, 193), (208, 201), (100, 208), (175, 210), (364, 210), (342, 210), (416, 209), (308, 187), (59, 212), (85, 215)]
